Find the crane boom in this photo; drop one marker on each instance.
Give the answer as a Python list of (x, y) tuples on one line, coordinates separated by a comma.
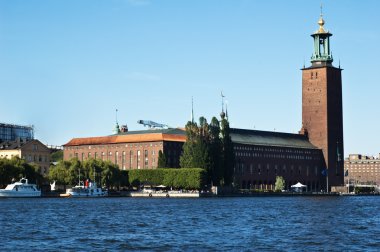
[(152, 124)]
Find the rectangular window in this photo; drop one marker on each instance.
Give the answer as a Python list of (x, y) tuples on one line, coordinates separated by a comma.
[(130, 159), (146, 158), (123, 160)]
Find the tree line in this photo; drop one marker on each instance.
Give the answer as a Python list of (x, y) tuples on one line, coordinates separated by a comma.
[(12, 170), (70, 172), (209, 146)]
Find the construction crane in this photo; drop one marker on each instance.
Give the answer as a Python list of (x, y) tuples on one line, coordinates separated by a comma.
[(152, 124)]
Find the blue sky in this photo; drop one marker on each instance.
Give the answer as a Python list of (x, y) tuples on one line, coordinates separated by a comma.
[(65, 66)]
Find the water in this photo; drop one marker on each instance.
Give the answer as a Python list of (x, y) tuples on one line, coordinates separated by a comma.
[(206, 224)]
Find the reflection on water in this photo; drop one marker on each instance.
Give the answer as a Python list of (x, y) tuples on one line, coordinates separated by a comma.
[(243, 224)]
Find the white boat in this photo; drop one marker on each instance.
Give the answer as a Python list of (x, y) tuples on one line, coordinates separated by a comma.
[(81, 190), (20, 189)]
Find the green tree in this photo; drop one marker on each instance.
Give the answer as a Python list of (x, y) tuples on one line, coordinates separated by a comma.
[(59, 173), (280, 184), (215, 173), (228, 156), (15, 168), (195, 153), (110, 174), (124, 179), (75, 173), (161, 163), (56, 156), (94, 168), (8, 171)]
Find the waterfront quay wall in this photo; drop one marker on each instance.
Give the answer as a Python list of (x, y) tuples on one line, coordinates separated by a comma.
[(165, 194)]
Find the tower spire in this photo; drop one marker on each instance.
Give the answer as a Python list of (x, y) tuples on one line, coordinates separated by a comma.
[(117, 128), (322, 54), (222, 114)]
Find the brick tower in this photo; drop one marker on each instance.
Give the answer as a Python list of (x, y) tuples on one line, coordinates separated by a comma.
[(322, 113)]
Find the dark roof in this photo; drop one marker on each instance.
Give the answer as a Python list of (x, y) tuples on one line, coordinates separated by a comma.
[(17, 144), (11, 145), (268, 138)]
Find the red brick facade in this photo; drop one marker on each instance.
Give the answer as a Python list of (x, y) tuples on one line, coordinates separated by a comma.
[(257, 166), (322, 116), (129, 151)]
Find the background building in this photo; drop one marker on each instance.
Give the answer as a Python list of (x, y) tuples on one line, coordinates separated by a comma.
[(361, 169), (33, 151), (11, 132), (130, 150)]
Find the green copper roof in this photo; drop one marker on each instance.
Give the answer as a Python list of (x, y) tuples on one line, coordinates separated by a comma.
[(322, 52)]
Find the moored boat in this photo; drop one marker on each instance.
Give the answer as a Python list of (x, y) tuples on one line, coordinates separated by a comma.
[(90, 189), (20, 189)]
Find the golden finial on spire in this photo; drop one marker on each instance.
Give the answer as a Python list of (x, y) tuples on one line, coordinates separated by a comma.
[(321, 22)]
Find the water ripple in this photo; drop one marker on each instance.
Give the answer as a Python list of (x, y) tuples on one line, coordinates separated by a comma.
[(215, 224)]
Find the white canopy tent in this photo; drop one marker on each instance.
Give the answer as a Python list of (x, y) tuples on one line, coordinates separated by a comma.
[(298, 187)]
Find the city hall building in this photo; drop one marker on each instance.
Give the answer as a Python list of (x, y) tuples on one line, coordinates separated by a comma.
[(312, 157), (130, 149)]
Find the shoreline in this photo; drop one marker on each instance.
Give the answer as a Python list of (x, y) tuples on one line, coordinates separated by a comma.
[(137, 194)]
